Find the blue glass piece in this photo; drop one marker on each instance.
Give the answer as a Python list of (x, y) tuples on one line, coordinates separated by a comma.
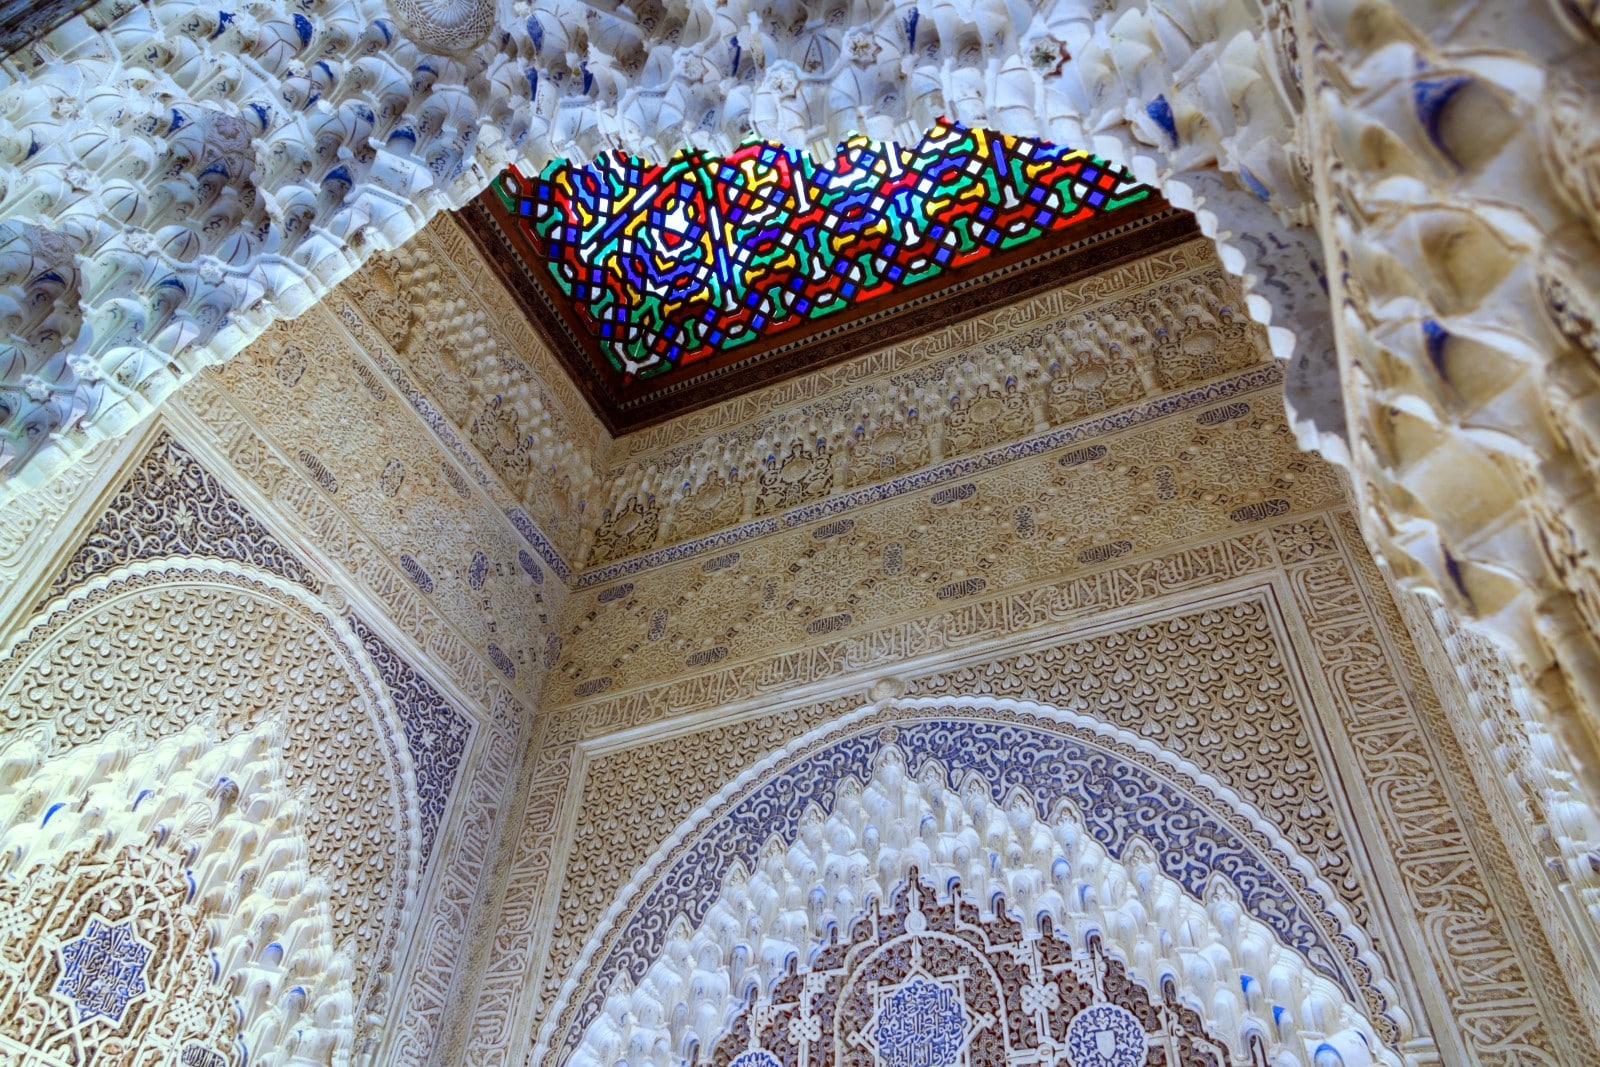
[(1431, 96), (1253, 183), (1161, 111)]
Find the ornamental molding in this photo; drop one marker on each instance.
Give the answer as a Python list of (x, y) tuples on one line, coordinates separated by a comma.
[(1244, 383), (1074, 302), (941, 984), (853, 589)]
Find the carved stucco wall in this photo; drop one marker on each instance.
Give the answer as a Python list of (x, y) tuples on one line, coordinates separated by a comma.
[(446, 318), (1269, 658), (1250, 636), (177, 177), (1526, 778), (180, 177), (451, 553), (1128, 334), (182, 714), (1062, 502), (437, 544), (431, 509), (1095, 366), (1045, 820), (390, 554)]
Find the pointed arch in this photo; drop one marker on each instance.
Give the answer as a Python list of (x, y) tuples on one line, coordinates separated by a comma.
[(1063, 819)]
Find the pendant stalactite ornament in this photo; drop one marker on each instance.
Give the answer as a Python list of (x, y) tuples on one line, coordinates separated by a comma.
[(924, 983)]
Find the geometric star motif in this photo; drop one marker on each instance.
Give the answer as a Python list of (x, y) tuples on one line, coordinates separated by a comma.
[(668, 265), (102, 969)]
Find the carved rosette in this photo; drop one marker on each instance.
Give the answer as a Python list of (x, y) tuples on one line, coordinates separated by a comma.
[(445, 25)]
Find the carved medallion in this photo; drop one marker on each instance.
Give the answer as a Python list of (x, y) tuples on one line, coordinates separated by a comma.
[(102, 969)]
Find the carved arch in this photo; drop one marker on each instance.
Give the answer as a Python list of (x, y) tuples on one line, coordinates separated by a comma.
[(115, 669), (1032, 816), (155, 235)]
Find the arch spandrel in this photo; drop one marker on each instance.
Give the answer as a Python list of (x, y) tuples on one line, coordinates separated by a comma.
[(1033, 816)]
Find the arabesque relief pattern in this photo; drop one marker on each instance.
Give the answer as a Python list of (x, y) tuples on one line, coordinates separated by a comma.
[(152, 868), (25, 522), (1042, 820), (171, 506), (436, 733), (1197, 471), (189, 664), (1453, 156), (358, 539), (1218, 673), (450, 546), (1045, 811), (922, 977), (180, 177), (1133, 333), (1224, 669), (303, 506), (1502, 988), (139, 658), (458, 333), (491, 1031), (1345, 639)]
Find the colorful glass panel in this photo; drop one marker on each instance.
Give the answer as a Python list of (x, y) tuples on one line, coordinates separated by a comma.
[(669, 265)]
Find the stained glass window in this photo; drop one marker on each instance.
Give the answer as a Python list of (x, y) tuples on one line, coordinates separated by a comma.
[(669, 265)]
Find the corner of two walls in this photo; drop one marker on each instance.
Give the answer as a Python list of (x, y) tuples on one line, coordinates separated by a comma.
[(408, 478), (312, 603)]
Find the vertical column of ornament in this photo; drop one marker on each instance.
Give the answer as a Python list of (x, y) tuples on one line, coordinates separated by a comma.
[(1211, 117), (1456, 174)]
